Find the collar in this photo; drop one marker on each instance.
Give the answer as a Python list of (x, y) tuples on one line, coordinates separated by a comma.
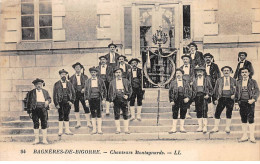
[(94, 78), (242, 61), (118, 79), (245, 79), (78, 74), (122, 64), (208, 64), (186, 65), (62, 81), (38, 90), (105, 65)]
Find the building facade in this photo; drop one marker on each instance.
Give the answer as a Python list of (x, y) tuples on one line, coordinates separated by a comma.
[(40, 37)]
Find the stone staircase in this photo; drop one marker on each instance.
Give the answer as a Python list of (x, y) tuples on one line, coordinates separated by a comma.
[(150, 128)]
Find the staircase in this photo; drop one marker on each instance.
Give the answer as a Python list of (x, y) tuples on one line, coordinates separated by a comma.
[(150, 128)]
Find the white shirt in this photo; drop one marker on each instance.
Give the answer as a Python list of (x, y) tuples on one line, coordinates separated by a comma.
[(103, 69), (78, 79), (122, 66), (200, 81), (244, 82), (134, 73), (94, 82), (40, 96), (193, 55), (63, 84), (226, 79), (241, 65), (208, 68), (112, 56), (179, 83), (119, 84), (186, 69)]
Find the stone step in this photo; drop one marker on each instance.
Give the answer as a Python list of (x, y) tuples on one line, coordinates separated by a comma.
[(110, 121), (52, 138), (112, 129), (164, 115)]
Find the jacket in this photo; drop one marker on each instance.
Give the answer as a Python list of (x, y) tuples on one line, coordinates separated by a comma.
[(207, 87), (252, 87), (191, 72), (138, 75), (126, 73), (198, 59), (101, 87), (58, 93), (214, 73), (247, 65), (219, 87), (109, 72), (173, 90), (112, 89), (108, 58), (32, 99), (83, 79)]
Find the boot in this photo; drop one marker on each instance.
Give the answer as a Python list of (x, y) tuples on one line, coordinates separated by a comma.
[(88, 120), (126, 124), (182, 126), (67, 128), (174, 124), (94, 123), (60, 128), (188, 114), (139, 110), (99, 124), (252, 132), (244, 131), (36, 134), (44, 136), (215, 129), (78, 120), (228, 123), (132, 111), (107, 107), (205, 124), (200, 125), (117, 122)]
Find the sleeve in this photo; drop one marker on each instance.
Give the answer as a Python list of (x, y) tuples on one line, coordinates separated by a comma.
[(218, 72), (215, 90), (104, 90), (29, 102), (55, 96), (171, 92), (250, 67), (85, 90), (210, 87), (130, 91), (236, 73), (73, 93), (110, 92), (48, 97), (256, 91)]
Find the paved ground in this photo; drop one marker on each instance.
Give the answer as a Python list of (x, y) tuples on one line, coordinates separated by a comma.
[(141, 150)]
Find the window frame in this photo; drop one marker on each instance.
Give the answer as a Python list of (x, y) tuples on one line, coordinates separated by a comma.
[(36, 14)]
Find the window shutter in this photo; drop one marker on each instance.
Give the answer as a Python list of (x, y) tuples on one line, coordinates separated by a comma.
[(58, 13)]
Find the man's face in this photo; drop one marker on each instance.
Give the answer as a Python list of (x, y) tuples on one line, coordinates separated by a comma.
[(226, 72), (77, 68), (118, 74), (103, 60), (199, 73), (121, 60), (93, 73), (178, 74), (112, 48), (63, 76), (134, 64), (186, 60), (245, 73), (208, 59), (38, 85), (192, 48), (242, 57)]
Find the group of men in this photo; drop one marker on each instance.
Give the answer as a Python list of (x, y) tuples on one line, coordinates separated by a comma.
[(112, 83), (199, 81), (115, 83)]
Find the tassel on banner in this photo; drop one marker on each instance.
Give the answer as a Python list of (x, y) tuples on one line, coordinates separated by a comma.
[(148, 59)]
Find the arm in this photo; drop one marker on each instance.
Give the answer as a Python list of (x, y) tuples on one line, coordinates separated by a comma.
[(171, 92), (55, 95), (250, 67), (215, 91), (256, 91), (104, 90), (110, 92), (29, 102), (210, 87)]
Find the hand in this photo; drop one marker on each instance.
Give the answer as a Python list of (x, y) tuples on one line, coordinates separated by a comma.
[(46, 104), (233, 97), (216, 102), (82, 91), (191, 83), (186, 100), (206, 97), (104, 101), (251, 101), (125, 97), (30, 115), (236, 106), (112, 104), (87, 103), (172, 103), (70, 103), (58, 106)]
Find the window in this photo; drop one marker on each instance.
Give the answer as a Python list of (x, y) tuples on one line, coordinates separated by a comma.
[(36, 17), (186, 22)]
